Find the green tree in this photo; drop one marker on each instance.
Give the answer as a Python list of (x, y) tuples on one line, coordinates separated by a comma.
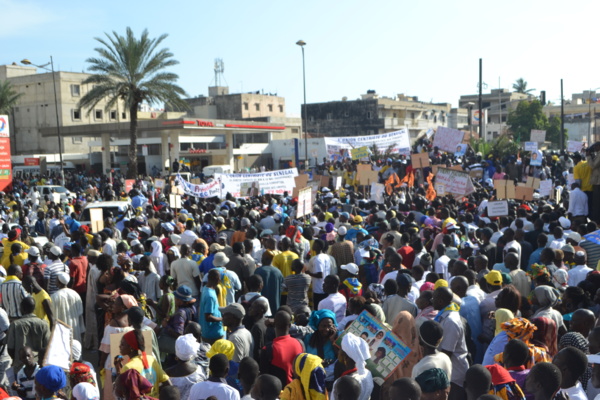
[(529, 115), (520, 86), (134, 71), (8, 97), (553, 131)]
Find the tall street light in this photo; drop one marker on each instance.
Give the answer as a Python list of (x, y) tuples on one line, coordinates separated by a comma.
[(302, 43), (60, 153)]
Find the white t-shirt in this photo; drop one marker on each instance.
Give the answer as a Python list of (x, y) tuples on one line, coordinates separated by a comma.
[(222, 391), (454, 342), (319, 263), (441, 267), (337, 303)]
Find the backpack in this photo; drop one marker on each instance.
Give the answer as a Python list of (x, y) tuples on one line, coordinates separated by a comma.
[(247, 303)]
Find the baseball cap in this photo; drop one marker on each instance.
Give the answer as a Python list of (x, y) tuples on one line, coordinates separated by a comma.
[(55, 250), (494, 278), (235, 309), (216, 247), (351, 267), (33, 251), (358, 219)]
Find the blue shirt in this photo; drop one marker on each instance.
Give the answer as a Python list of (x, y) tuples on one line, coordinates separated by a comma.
[(469, 310), (534, 258), (209, 304), (495, 347), (352, 232), (207, 264)]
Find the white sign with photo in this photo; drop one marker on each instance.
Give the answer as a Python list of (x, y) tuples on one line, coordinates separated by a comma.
[(272, 182), (531, 146), (448, 139)]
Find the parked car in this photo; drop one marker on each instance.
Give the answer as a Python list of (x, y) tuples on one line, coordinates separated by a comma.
[(118, 209), (48, 190)]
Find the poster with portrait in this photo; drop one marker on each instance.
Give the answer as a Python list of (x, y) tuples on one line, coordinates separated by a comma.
[(536, 159), (386, 349), (461, 150)]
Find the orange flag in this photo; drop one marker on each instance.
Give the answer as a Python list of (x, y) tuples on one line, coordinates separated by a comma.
[(431, 194)]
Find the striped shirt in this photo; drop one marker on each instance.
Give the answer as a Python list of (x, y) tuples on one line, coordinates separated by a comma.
[(28, 382), (12, 293), (51, 274)]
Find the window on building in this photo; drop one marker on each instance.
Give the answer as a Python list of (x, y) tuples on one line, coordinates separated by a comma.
[(395, 115), (295, 130), (311, 118), (270, 107), (346, 114), (504, 118), (75, 90), (329, 117), (369, 115), (77, 139), (280, 108), (434, 119), (241, 138), (370, 132), (123, 115), (412, 115), (495, 135), (257, 106), (75, 114), (113, 115), (245, 106), (98, 114), (425, 115)]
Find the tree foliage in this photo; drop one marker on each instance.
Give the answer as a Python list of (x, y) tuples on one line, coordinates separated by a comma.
[(529, 115), (520, 86), (132, 70), (500, 147), (8, 97)]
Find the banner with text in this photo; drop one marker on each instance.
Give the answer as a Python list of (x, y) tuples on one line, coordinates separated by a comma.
[(5, 162), (454, 182), (448, 139), (211, 189), (272, 182), (338, 147)]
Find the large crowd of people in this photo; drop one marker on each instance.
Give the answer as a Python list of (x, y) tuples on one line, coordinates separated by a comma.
[(241, 298)]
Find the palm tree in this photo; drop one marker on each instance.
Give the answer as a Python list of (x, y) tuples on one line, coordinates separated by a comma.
[(132, 70), (520, 86), (8, 97)]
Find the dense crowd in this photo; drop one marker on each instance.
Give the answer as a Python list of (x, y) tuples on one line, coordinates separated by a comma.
[(240, 298)]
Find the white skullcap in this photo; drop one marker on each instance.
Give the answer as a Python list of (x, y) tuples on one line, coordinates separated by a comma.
[(63, 278), (357, 349), (186, 347), (76, 350), (86, 391)]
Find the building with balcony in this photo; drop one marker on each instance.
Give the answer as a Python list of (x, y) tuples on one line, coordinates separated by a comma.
[(372, 114), (581, 116)]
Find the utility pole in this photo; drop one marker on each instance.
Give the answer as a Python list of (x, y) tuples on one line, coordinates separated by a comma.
[(480, 98), (562, 119)]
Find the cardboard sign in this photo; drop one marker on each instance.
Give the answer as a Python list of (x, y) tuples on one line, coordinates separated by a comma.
[(504, 189), (573, 146), (177, 190), (477, 174), (532, 182), (196, 181), (324, 181), (175, 201), (538, 136), (368, 177), (420, 160), (377, 190), (523, 193), (337, 182), (129, 185), (59, 352), (360, 152), (96, 220), (497, 208), (301, 182), (159, 183), (448, 139), (304, 202), (434, 169), (531, 146), (457, 167), (545, 188)]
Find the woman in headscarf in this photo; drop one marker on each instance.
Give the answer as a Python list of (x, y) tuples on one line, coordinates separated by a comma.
[(158, 258), (502, 315), (577, 340), (85, 391), (546, 298), (434, 384), (80, 373), (353, 358), (133, 345), (227, 348), (522, 329), (320, 342), (545, 335), (48, 381), (503, 384), (131, 385), (309, 380), (186, 372)]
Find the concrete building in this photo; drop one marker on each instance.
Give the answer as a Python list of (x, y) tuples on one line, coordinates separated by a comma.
[(581, 116), (372, 114), (496, 105)]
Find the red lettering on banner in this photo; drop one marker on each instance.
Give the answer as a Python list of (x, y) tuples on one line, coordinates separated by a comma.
[(204, 123), (197, 151)]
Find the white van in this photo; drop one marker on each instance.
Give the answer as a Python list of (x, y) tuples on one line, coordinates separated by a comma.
[(47, 190), (116, 208), (210, 170)]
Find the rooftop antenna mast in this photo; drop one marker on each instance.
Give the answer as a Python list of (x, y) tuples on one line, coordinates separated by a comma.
[(219, 70)]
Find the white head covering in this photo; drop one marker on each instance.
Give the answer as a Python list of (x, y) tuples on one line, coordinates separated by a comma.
[(76, 350), (186, 347), (63, 278), (86, 391), (357, 349), (156, 249), (175, 251)]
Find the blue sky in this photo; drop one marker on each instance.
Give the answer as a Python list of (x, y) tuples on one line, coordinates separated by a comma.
[(428, 49)]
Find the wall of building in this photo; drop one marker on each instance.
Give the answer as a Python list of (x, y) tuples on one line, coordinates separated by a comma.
[(343, 118)]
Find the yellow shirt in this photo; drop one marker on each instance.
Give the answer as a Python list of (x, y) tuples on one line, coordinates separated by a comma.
[(5, 260), (154, 374), (583, 172), (39, 307), (284, 261)]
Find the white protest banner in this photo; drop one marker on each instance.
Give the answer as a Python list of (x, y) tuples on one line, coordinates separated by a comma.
[(175, 201), (573, 146), (59, 351), (341, 146), (538, 136), (570, 180), (159, 183), (455, 182), (337, 182), (304, 202), (545, 188), (377, 190), (272, 182), (531, 146), (211, 189), (497, 208), (448, 139)]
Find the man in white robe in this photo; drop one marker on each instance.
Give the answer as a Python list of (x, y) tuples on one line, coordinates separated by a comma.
[(67, 306)]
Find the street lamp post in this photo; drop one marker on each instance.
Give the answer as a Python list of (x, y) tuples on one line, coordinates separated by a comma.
[(60, 153), (302, 43)]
